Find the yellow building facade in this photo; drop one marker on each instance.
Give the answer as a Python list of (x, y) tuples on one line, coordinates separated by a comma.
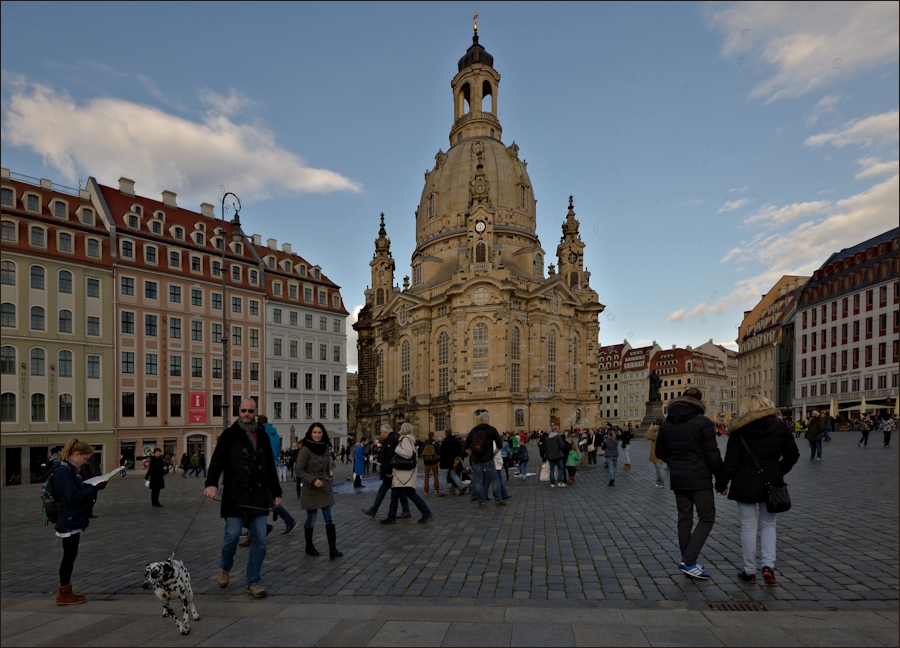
[(482, 325)]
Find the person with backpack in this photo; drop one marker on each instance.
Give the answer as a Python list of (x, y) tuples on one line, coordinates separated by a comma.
[(281, 466), (450, 451), (481, 455), (572, 461), (556, 450), (430, 460), (69, 503), (522, 460), (625, 437)]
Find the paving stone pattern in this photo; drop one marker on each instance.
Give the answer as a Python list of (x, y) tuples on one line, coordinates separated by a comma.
[(581, 547)]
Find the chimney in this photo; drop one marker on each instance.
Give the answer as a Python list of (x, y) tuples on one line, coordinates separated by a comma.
[(207, 211), (286, 248), (46, 184), (673, 347), (257, 239), (272, 243), (168, 198), (126, 186)]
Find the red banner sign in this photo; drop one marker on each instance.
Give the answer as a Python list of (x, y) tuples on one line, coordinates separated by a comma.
[(197, 407)]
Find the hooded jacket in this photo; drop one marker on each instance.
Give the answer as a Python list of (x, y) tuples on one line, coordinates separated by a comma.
[(555, 447), (274, 439), (687, 442), (492, 436), (773, 445)]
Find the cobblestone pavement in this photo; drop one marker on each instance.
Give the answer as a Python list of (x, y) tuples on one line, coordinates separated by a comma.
[(552, 558)]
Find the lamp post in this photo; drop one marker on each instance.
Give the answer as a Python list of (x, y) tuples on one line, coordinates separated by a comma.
[(236, 235)]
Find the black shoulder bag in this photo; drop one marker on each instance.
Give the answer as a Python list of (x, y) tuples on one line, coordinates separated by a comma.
[(401, 463), (779, 500)]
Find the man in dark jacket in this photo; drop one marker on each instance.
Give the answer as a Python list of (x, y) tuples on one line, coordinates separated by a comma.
[(687, 443), (451, 448), (244, 456), (482, 444), (556, 450), (815, 431), (389, 441)]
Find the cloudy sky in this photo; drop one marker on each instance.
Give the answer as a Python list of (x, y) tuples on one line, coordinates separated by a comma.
[(711, 148)]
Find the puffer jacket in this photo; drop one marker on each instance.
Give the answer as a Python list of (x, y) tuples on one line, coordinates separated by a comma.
[(773, 445), (687, 442), (406, 448), (250, 478), (312, 467), (815, 431), (74, 495)]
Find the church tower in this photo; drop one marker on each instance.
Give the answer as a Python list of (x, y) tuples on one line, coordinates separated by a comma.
[(482, 325)]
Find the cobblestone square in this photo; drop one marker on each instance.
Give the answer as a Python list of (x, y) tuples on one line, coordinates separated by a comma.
[(564, 556)]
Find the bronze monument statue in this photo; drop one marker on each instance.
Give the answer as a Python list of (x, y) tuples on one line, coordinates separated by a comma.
[(655, 382)]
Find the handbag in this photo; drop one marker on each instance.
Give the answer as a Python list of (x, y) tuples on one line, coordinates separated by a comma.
[(591, 447), (545, 472), (401, 463), (778, 500)]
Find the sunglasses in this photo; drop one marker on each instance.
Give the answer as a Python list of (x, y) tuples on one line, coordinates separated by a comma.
[(246, 411)]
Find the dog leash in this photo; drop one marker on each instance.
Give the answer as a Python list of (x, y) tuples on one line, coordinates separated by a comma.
[(188, 528)]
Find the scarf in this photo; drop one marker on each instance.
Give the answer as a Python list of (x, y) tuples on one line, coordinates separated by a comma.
[(250, 430), (314, 447)]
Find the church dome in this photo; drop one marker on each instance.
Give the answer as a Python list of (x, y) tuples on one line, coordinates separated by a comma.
[(475, 54)]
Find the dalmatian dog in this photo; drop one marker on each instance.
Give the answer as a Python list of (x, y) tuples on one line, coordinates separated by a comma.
[(170, 580)]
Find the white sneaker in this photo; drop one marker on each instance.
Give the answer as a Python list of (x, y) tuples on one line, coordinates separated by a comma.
[(552, 485), (562, 484)]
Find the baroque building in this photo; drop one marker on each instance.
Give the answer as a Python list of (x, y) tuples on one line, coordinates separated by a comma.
[(482, 325)]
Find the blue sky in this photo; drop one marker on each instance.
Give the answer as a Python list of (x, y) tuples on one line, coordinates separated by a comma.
[(711, 148)]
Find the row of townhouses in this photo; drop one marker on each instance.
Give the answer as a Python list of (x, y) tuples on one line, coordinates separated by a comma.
[(115, 327)]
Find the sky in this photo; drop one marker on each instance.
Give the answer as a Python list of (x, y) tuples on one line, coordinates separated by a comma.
[(710, 148)]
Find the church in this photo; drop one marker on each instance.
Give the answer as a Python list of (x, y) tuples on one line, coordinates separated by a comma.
[(484, 324)]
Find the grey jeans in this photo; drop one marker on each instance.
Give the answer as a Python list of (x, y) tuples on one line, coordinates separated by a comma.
[(691, 542)]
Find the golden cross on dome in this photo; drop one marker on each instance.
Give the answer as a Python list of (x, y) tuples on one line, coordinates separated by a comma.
[(475, 21)]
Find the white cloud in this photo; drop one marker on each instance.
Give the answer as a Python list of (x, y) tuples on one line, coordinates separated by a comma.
[(809, 45), (728, 344), (731, 205), (738, 189), (876, 129), (235, 103), (873, 167), (773, 216), (697, 310), (677, 316), (352, 338), (825, 105), (110, 137)]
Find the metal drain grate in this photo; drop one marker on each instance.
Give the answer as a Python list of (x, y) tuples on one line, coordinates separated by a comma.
[(736, 606)]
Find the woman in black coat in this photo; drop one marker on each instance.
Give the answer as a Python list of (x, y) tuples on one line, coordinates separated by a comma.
[(155, 475), (770, 440)]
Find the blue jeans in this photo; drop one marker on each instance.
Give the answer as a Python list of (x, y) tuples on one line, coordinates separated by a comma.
[(284, 515), (397, 493), (257, 527), (557, 470), (611, 467), (815, 448), (864, 439), (659, 475), (523, 468), (382, 491), (327, 513), (486, 485), (480, 471), (444, 475)]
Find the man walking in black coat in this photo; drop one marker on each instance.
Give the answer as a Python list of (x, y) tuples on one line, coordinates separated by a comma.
[(687, 443), (244, 456)]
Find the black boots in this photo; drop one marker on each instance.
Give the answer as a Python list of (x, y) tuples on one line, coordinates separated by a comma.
[(332, 542), (310, 549)]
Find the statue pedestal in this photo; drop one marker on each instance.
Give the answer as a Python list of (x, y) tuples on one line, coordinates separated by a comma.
[(654, 412)]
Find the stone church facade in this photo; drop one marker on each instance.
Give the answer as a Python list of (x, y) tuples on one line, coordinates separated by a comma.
[(482, 325)]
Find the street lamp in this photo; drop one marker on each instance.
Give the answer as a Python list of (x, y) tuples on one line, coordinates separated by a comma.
[(237, 235)]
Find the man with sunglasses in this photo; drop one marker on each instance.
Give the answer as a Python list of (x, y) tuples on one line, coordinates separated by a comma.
[(243, 455)]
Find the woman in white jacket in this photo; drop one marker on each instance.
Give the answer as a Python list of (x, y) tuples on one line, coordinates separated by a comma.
[(404, 481)]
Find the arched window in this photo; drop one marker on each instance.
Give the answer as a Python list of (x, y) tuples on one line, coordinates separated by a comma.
[(65, 321), (7, 314), (65, 281), (481, 252), (514, 351), (8, 360), (487, 97), (573, 280), (7, 273), (551, 346), (465, 97), (8, 407), (480, 341), (38, 408), (431, 206), (37, 277), (65, 408), (37, 362), (404, 356), (379, 297), (538, 265), (65, 364), (37, 318), (443, 348)]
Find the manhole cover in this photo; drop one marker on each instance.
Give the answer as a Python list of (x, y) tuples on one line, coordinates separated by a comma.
[(736, 606)]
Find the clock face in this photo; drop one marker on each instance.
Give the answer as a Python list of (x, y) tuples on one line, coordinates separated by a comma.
[(573, 257), (479, 188), (481, 296), (480, 227)]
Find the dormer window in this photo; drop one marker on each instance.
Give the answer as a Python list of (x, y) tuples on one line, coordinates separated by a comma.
[(179, 233), (160, 215), (132, 221), (33, 203), (271, 261), (60, 210), (156, 227), (336, 301), (316, 274), (198, 238), (254, 277), (201, 227), (87, 216), (219, 243), (287, 266), (7, 197), (137, 210), (302, 270), (238, 248)]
